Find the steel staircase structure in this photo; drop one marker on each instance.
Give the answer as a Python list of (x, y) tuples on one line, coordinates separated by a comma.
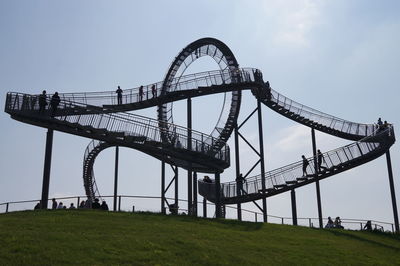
[(98, 116)]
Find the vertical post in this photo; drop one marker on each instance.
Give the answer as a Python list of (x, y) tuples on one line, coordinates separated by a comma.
[(261, 142), (237, 165), (294, 208), (119, 203), (218, 213), (195, 193), (77, 204), (314, 147), (116, 177), (392, 192), (204, 208), (163, 211), (7, 207), (176, 187), (46, 170), (189, 146)]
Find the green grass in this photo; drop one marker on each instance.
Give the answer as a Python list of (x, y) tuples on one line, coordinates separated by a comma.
[(106, 238)]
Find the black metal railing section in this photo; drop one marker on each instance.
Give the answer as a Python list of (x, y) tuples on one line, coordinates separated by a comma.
[(89, 180), (318, 117), (292, 174), (151, 91), (124, 126)]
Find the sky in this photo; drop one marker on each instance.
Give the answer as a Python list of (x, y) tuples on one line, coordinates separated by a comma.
[(340, 57)]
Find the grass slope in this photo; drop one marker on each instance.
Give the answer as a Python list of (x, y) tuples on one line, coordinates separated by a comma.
[(97, 238)]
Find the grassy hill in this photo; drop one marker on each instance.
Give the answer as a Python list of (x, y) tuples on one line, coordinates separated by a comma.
[(106, 238)]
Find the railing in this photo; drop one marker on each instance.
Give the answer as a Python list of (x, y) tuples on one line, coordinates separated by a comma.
[(322, 118), (131, 203), (187, 82), (288, 174), (123, 123)]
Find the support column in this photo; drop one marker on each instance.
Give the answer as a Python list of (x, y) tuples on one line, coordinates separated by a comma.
[(294, 208), (189, 146), (46, 169), (163, 211), (204, 208), (261, 141), (176, 187), (314, 147), (116, 177), (218, 213), (237, 165), (392, 192), (195, 193)]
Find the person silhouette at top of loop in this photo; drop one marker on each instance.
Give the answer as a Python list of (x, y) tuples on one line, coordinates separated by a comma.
[(119, 95), (55, 101), (42, 102), (154, 90), (305, 164), (141, 93)]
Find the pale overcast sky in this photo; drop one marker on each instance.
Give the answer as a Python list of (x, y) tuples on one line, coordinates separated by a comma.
[(340, 57)]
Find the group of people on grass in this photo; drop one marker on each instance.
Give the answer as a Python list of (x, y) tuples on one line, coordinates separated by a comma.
[(334, 224), (83, 205)]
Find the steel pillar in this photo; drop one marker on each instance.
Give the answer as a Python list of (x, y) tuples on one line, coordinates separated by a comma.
[(204, 208), (189, 146), (294, 208), (116, 177), (237, 165), (218, 213), (163, 211), (195, 193), (261, 142), (392, 192), (46, 169), (314, 148), (176, 171)]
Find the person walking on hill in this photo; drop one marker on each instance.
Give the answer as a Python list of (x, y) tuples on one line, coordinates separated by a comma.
[(305, 164), (104, 206), (42, 102), (54, 204), (55, 101), (119, 95)]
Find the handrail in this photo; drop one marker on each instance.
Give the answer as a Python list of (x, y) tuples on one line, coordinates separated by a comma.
[(282, 218)]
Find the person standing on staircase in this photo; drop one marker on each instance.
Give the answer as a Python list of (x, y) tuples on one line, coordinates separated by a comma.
[(141, 93), (55, 101), (305, 164), (320, 158), (239, 182), (42, 102), (154, 91), (119, 95)]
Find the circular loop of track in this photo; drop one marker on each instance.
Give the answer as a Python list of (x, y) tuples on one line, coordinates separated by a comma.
[(224, 57)]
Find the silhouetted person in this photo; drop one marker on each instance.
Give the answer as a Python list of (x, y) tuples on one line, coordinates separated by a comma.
[(55, 101), (305, 164), (54, 204), (239, 182), (96, 204), (330, 223), (141, 93), (82, 204), (37, 206), (368, 226), (60, 205), (42, 102), (72, 206), (338, 223), (119, 95), (207, 179), (154, 91), (379, 122), (104, 206), (320, 158)]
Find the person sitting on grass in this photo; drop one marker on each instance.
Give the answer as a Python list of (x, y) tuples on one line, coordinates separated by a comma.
[(96, 204), (330, 223)]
